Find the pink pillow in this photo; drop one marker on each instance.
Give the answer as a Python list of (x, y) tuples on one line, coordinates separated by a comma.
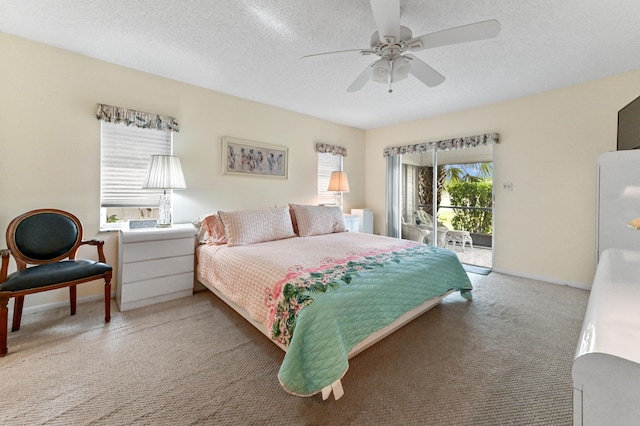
[(210, 229), (215, 229), (244, 227), (293, 219), (318, 220)]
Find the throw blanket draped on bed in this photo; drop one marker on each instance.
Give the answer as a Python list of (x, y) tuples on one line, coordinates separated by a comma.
[(364, 296), (325, 302)]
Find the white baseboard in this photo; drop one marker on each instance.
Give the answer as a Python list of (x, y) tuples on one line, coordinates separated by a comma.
[(55, 305), (543, 279)]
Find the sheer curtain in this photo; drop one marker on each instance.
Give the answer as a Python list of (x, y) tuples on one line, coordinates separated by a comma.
[(394, 201)]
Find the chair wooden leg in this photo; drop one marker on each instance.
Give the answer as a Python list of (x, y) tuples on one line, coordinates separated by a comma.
[(4, 323), (17, 312), (72, 298), (107, 299)]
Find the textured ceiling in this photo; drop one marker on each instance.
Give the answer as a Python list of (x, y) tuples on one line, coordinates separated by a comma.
[(252, 49)]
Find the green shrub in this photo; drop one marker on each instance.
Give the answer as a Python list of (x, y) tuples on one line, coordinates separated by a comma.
[(471, 194)]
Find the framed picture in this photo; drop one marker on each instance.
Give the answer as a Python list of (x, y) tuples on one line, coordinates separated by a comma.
[(242, 157)]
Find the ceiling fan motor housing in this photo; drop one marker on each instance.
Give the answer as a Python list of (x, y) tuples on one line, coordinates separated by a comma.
[(381, 45)]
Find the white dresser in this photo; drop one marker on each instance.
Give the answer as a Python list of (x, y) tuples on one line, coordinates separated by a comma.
[(606, 367), (154, 265)]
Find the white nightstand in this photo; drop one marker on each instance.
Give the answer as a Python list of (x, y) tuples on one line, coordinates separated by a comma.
[(365, 217), (154, 265), (352, 221)]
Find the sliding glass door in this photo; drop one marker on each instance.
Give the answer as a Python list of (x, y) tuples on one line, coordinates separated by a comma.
[(449, 194)]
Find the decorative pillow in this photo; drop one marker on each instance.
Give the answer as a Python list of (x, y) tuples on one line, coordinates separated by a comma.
[(293, 219), (319, 220), (210, 229), (244, 227)]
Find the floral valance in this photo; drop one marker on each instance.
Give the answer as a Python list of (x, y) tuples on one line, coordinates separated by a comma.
[(444, 145), (331, 149), (130, 117)]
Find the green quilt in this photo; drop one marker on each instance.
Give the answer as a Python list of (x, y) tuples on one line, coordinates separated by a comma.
[(346, 302)]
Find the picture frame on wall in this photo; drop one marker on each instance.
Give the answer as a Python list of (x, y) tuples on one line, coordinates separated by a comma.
[(249, 158)]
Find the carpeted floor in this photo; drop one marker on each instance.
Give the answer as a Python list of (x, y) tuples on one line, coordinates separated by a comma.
[(502, 359)]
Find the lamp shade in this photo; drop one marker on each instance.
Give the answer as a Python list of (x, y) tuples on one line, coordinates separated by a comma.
[(164, 172), (635, 223), (338, 182)]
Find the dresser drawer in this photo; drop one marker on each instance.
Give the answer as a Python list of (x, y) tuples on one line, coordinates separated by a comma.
[(149, 269), (136, 252), (159, 286)]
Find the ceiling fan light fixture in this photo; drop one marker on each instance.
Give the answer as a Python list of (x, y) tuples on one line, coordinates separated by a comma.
[(400, 69), (381, 70)]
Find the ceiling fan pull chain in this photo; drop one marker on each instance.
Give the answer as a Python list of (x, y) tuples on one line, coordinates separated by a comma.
[(391, 77)]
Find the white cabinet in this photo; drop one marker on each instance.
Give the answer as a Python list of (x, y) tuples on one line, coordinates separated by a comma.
[(154, 265), (618, 194), (365, 217), (606, 367), (352, 222)]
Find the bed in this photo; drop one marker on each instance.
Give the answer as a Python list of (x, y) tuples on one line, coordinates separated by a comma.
[(320, 293)]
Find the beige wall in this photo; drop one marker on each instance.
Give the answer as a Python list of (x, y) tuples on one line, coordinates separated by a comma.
[(545, 227), (50, 141)]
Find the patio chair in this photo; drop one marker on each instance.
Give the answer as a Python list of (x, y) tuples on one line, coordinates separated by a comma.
[(45, 238), (413, 232), (426, 223)]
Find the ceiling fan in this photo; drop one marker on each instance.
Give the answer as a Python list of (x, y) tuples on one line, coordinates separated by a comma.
[(391, 41)]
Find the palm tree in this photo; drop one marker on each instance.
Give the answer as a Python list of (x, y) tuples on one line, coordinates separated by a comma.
[(425, 186), (471, 185), (471, 172), (453, 173)]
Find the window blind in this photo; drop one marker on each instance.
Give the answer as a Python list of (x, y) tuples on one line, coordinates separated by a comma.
[(328, 163), (125, 154), (409, 193)]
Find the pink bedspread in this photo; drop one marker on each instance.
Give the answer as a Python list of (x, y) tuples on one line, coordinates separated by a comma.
[(250, 276)]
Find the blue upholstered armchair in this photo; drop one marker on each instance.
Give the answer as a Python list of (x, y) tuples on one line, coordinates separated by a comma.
[(48, 240)]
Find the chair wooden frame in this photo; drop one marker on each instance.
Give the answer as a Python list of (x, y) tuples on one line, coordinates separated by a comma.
[(22, 261)]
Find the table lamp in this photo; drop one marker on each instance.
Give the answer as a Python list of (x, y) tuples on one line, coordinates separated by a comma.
[(164, 172), (339, 183)]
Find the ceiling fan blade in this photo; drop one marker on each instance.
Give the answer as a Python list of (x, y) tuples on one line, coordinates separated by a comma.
[(471, 32), (424, 72), (318, 55), (387, 16), (362, 79)]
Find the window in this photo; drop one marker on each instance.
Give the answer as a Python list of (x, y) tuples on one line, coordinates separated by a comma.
[(328, 163), (125, 153)]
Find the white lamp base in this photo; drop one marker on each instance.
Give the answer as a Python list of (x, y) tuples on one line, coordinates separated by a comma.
[(164, 211)]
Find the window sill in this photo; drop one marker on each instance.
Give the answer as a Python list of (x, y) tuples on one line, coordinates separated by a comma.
[(112, 227)]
